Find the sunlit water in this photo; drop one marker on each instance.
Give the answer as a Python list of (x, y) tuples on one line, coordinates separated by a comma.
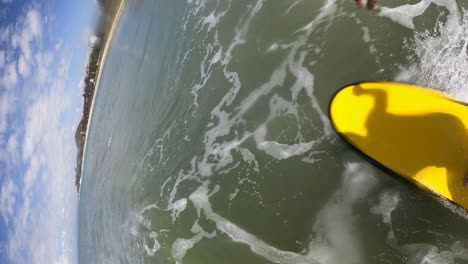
[(210, 140)]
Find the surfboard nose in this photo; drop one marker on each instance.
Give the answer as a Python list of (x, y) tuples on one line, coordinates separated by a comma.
[(416, 132)]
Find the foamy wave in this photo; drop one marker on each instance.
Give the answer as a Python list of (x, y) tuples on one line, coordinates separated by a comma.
[(441, 58)]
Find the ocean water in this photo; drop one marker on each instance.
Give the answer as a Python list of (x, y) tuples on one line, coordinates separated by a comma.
[(210, 140)]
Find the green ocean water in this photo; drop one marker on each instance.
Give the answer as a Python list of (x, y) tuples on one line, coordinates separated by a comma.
[(210, 140)]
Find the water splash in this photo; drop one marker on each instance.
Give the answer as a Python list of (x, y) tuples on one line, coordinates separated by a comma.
[(440, 55), (443, 58)]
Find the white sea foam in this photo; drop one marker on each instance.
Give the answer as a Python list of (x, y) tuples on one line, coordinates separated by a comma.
[(334, 228), (177, 207), (182, 245), (156, 149), (366, 36), (233, 195), (419, 253), (278, 106), (336, 241), (405, 14), (291, 7), (388, 202), (429, 254), (148, 207), (205, 72), (200, 198), (219, 155), (213, 19), (249, 157), (156, 245), (281, 151), (218, 152), (441, 58)]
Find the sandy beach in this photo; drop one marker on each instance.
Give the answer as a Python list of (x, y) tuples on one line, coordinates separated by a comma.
[(101, 64)]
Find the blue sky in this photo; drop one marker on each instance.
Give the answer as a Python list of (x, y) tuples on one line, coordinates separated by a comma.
[(43, 56)]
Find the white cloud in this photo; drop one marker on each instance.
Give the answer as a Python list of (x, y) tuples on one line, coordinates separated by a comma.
[(12, 151), (81, 85), (4, 34), (43, 60), (2, 59), (12, 143), (29, 30), (6, 105), (23, 67), (31, 174), (28, 34), (43, 143), (7, 199), (49, 150), (33, 22), (10, 78), (42, 117)]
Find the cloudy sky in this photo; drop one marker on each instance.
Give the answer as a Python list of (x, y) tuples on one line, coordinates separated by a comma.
[(43, 55)]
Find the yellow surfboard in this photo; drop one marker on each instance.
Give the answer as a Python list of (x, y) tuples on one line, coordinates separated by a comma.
[(420, 134)]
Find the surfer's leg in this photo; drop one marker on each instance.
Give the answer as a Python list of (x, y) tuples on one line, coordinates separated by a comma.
[(371, 4), (359, 3)]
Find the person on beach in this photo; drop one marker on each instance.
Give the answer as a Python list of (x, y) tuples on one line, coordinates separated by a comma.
[(370, 4)]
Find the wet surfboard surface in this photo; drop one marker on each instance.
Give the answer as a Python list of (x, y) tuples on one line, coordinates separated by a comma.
[(418, 133)]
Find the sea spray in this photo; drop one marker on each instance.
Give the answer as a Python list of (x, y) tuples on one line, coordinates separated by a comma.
[(440, 58)]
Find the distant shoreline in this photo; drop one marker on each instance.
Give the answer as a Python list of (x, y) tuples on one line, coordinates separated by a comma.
[(97, 59)]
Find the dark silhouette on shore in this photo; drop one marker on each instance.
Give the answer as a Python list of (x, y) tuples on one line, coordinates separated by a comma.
[(79, 140), (89, 88), (109, 10)]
